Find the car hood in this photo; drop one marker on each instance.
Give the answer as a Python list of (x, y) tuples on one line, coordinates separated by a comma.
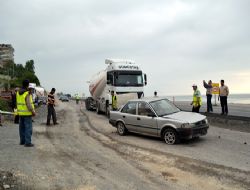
[(186, 117)]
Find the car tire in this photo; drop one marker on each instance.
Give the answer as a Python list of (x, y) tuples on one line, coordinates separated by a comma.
[(170, 136), (121, 129)]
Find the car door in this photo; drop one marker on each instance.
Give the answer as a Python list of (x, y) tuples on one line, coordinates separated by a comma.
[(146, 121), (129, 115)]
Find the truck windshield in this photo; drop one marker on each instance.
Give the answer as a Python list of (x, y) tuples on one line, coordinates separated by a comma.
[(128, 78)]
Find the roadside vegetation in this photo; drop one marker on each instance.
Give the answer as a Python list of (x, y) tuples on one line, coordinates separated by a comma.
[(5, 104), (18, 73)]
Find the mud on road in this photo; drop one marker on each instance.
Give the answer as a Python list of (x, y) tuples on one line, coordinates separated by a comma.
[(79, 154)]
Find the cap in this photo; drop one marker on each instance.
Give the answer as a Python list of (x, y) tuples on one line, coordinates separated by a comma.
[(31, 86), (194, 85)]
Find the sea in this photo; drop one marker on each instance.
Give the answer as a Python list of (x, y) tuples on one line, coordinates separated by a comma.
[(232, 98)]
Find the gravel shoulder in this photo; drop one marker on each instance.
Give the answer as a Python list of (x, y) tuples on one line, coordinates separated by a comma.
[(85, 152)]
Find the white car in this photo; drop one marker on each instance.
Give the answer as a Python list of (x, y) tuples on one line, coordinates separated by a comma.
[(158, 117)]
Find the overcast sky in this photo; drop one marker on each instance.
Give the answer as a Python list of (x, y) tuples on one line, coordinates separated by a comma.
[(176, 43)]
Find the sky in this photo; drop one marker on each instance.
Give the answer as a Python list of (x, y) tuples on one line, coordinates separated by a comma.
[(176, 42)]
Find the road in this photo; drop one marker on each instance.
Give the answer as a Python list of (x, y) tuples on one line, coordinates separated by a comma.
[(85, 152), (234, 109)]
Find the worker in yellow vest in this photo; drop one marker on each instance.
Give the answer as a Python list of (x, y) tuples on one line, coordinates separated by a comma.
[(77, 99), (196, 103), (25, 110), (114, 101)]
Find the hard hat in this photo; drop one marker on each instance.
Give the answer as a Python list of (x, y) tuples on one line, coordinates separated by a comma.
[(194, 85), (31, 86)]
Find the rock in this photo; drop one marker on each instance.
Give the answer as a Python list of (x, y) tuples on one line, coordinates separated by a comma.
[(245, 142), (6, 186)]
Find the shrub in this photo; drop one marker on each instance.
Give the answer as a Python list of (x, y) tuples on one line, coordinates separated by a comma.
[(5, 105)]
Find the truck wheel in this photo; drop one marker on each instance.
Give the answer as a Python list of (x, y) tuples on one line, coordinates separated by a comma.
[(121, 129), (87, 104), (98, 108), (107, 111), (170, 136)]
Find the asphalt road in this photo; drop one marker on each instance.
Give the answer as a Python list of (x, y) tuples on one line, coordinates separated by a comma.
[(220, 146), (85, 152), (233, 109)]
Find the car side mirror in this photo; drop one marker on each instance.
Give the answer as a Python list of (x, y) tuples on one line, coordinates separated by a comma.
[(145, 79)]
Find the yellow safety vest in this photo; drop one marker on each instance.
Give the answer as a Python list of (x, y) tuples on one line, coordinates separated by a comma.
[(22, 108), (114, 102), (197, 95)]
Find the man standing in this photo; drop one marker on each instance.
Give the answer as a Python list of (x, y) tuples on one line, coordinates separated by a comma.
[(77, 99), (25, 110), (51, 109), (14, 106), (209, 95), (155, 94), (196, 99), (114, 101), (224, 92)]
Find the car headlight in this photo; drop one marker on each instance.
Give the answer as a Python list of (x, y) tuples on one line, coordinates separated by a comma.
[(206, 121), (185, 125)]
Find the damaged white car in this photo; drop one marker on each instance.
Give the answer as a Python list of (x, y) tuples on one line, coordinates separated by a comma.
[(158, 117)]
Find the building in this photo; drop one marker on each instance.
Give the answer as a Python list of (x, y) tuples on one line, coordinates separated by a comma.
[(6, 54)]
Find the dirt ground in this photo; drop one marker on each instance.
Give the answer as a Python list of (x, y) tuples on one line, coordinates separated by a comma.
[(84, 152)]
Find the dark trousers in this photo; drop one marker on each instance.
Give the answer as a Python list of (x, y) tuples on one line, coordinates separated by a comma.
[(196, 109), (223, 102), (51, 112), (209, 103), (25, 129)]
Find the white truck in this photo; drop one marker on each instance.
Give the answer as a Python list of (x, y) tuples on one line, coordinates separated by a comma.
[(38, 94), (123, 77)]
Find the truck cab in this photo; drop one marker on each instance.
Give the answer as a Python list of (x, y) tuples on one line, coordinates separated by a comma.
[(124, 77)]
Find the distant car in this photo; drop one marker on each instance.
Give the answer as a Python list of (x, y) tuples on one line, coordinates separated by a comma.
[(158, 117), (64, 98)]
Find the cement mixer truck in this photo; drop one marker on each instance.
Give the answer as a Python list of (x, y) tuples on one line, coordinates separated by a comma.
[(123, 77)]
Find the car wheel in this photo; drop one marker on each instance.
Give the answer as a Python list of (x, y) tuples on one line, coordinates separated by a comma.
[(170, 136), (121, 129)]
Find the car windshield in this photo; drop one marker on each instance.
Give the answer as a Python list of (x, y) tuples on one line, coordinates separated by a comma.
[(164, 107)]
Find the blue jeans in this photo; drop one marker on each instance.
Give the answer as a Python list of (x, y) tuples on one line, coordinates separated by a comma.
[(209, 103), (223, 102), (25, 129)]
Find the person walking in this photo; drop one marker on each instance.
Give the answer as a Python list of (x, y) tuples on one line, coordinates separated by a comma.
[(14, 106), (223, 94), (51, 109), (155, 94), (114, 101), (25, 110), (209, 94), (196, 103), (77, 98)]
